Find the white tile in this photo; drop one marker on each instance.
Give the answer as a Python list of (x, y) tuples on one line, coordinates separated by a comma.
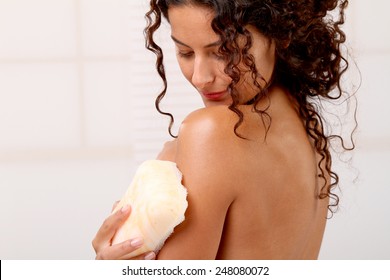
[(374, 97), (38, 29), (371, 25), (360, 229), (349, 25), (107, 27), (39, 106), (44, 205), (108, 104)]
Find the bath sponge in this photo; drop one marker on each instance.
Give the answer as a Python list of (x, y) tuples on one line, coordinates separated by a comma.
[(158, 201)]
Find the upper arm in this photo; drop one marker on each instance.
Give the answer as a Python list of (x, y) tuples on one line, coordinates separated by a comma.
[(203, 158)]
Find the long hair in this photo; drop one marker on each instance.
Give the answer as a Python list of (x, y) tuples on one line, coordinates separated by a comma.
[(309, 60)]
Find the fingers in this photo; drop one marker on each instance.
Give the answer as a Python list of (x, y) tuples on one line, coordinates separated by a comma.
[(122, 250), (146, 256), (109, 227), (115, 204)]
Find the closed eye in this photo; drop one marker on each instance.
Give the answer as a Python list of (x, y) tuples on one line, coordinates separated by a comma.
[(185, 54)]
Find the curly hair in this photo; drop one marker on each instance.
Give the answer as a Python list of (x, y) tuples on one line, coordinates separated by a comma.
[(309, 60)]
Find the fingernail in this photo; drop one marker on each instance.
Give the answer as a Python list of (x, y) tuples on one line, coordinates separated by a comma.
[(125, 208), (150, 256), (137, 242)]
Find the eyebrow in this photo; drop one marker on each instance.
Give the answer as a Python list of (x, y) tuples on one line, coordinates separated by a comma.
[(217, 43)]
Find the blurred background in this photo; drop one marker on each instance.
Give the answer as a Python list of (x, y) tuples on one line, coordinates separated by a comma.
[(77, 116)]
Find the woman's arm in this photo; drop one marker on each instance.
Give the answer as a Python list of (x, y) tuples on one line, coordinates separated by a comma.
[(205, 157)]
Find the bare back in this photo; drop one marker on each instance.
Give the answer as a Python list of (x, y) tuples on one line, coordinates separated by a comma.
[(275, 213)]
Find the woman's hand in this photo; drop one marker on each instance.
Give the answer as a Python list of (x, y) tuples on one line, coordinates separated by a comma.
[(102, 241)]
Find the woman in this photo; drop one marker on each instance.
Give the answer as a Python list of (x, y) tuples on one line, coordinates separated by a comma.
[(256, 159)]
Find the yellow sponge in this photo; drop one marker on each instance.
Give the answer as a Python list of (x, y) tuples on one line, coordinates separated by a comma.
[(158, 202)]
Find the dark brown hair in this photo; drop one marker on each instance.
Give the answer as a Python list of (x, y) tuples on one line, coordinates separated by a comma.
[(309, 61)]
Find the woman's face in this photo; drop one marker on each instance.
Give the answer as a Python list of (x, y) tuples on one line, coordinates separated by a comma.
[(197, 53)]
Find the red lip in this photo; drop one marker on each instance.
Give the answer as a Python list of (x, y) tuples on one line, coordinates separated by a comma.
[(214, 95)]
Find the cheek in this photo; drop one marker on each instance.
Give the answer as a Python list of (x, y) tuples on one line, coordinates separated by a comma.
[(266, 63), (267, 68), (221, 72), (186, 68)]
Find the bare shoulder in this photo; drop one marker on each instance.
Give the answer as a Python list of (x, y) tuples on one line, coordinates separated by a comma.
[(199, 126), (218, 123), (208, 152), (199, 131), (207, 135), (208, 119)]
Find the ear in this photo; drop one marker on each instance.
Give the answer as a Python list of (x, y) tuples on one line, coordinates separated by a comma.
[(285, 43)]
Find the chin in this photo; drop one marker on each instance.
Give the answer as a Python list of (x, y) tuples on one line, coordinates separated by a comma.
[(211, 103)]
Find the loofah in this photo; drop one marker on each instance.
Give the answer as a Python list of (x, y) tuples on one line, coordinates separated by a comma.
[(158, 202)]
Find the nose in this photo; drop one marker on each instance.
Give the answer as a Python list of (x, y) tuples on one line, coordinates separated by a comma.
[(203, 74)]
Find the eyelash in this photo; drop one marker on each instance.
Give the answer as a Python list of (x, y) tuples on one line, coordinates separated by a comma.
[(190, 54), (185, 54)]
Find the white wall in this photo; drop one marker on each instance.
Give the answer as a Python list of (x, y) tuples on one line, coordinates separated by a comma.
[(361, 229), (77, 91)]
